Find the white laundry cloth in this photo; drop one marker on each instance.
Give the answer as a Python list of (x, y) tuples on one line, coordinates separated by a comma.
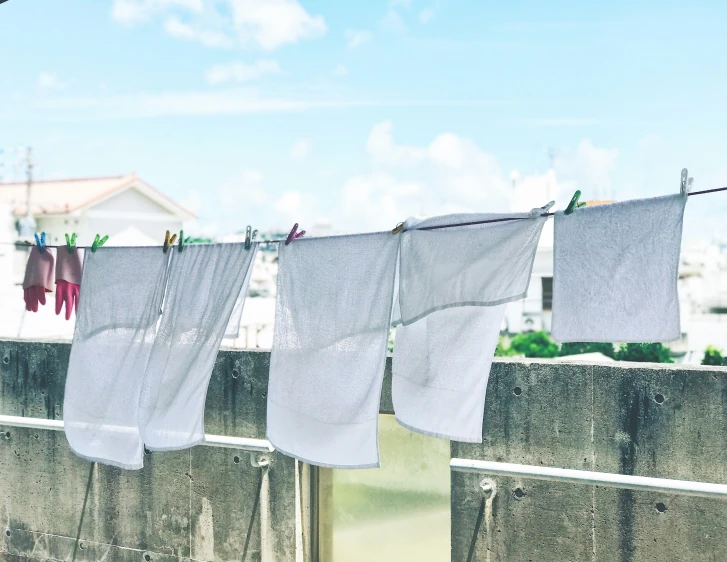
[(442, 361), (332, 320), (121, 295), (615, 271), (440, 371), (232, 331), (477, 265), (204, 283)]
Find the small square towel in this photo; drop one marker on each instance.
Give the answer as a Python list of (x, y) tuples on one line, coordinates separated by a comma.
[(615, 272), (476, 265), (332, 320), (442, 360)]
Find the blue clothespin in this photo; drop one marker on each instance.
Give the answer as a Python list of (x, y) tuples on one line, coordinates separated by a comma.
[(40, 241), (98, 242), (70, 242), (294, 234), (574, 204)]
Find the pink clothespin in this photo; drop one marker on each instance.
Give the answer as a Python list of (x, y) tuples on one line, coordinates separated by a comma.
[(294, 234)]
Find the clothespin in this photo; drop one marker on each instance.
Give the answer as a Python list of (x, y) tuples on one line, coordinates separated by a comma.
[(574, 204), (182, 241), (398, 228), (169, 241), (98, 242), (294, 234), (542, 211), (40, 241), (685, 184), (250, 235), (70, 242)]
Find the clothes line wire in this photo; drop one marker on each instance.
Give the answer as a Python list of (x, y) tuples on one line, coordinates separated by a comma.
[(298, 240)]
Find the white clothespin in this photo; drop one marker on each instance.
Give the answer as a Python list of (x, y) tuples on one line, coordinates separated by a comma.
[(685, 185)]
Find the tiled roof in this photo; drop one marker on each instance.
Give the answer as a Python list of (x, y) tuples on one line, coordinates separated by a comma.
[(53, 197)]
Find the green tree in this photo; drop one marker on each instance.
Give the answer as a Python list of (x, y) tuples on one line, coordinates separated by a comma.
[(504, 350), (644, 353), (578, 348), (534, 344), (713, 356)]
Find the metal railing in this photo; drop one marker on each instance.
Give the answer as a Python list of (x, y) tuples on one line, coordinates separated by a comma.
[(607, 479), (242, 443)]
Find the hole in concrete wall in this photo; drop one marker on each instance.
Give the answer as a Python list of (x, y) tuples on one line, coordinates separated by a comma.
[(82, 546), (518, 493), (147, 557), (659, 398), (517, 391), (660, 507), (7, 435), (235, 373), (7, 533), (6, 359), (236, 459)]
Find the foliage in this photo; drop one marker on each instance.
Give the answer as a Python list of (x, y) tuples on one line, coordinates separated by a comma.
[(644, 353), (578, 348), (713, 356), (534, 344), (198, 240), (504, 350)]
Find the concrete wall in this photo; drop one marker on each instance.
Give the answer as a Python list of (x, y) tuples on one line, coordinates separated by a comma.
[(201, 504), (648, 420)]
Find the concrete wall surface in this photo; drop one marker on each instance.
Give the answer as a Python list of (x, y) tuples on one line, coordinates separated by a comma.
[(628, 418), (202, 503), (210, 503)]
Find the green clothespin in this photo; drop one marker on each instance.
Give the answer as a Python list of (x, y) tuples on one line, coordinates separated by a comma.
[(574, 204), (98, 242), (181, 240), (70, 242)]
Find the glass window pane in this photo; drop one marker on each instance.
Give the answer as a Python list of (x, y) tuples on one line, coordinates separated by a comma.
[(399, 511)]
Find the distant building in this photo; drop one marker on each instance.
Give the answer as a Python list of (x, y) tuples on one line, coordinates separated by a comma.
[(125, 207)]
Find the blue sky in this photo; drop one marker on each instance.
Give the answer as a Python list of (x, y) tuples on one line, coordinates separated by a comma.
[(363, 113)]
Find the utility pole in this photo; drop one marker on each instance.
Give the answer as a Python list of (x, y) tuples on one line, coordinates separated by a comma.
[(27, 223)]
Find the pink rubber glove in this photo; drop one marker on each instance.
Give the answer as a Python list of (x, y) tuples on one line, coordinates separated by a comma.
[(68, 281), (66, 293), (38, 278)]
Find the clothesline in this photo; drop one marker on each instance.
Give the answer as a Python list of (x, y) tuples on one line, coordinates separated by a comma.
[(437, 227)]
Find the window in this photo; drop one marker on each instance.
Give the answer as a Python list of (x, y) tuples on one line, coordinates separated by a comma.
[(400, 511), (547, 293)]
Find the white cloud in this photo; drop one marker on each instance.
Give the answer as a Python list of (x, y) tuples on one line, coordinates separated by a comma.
[(452, 174), (134, 11), (393, 22), (268, 24), (425, 15), (241, 72), (209, 38), (50, 81), (243, 191), (272, 23), (355, 38), (340, 70), (300, 150)]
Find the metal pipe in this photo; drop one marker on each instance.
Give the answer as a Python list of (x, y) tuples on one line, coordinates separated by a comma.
[(606, 479), (243, 443)]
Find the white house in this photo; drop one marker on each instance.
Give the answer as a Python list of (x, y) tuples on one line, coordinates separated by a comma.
[(125, 207)]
